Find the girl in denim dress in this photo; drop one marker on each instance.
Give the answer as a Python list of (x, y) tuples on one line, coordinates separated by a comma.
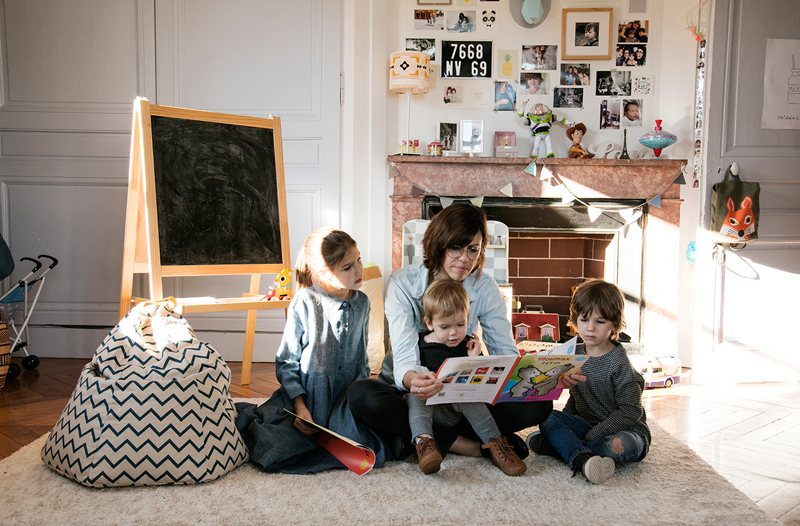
[(323, 351)]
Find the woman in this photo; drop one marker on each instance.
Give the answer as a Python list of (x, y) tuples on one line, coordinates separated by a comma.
[(454, 245)]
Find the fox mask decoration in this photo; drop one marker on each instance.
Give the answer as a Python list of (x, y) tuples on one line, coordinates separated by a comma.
[(739, 224)]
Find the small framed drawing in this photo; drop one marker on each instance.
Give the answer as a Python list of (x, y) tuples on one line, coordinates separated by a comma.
[(586, 34), (471, 138), (505, 144), (447, 133)]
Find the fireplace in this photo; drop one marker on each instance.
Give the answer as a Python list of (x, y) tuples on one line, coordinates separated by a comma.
[(553, 244)]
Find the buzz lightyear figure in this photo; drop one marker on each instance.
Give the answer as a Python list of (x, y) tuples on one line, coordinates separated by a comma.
[(539, 120)]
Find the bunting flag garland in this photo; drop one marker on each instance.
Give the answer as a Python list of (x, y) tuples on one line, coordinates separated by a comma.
[(477, 201), (656, 201), (594, 213)]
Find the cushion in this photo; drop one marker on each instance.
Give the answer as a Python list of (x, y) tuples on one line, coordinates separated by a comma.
[(153, 407)]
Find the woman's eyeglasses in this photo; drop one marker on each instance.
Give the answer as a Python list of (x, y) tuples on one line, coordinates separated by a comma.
[(472, 251)]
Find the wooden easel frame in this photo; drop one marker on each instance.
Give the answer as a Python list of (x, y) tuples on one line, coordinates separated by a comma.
[(141, 253)]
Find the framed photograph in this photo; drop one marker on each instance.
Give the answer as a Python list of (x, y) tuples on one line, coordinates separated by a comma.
[(613, 83), (632, 112), (533, 83), (425, 45), (461, 21), (632, 54), (505, 96), (568, 98), (587, 34), (434, 2), (471, 138), (609, 114), (447, 133), (633, 32), (453, 94), (539, 58), (429, 19), (575, 74), (505, 139)]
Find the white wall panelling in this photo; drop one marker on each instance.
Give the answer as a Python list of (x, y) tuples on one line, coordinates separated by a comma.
[(70, 71)]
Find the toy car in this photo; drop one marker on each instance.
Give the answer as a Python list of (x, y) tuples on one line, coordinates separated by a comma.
[(658, 371)]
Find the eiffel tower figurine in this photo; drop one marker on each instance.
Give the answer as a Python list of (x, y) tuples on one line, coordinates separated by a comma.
[(624, 154)]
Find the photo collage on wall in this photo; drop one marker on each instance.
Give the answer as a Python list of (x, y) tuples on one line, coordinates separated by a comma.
[(464, 61), (631, 52)]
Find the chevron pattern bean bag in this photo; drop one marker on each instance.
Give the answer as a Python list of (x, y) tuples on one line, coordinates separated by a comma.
[(151, 408)]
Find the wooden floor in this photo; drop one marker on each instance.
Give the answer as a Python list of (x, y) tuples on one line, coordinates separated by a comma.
[(749, 433)]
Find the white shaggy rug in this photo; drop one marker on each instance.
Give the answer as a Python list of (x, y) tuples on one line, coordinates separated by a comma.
[(672, 486)]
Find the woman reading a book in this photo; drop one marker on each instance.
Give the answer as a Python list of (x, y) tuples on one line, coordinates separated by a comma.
[(454, 245)]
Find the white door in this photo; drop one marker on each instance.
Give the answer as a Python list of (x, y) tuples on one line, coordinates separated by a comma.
[(71, 69), (742, 302), (259, 58)]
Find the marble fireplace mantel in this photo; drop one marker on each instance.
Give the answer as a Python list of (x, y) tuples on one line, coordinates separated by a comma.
[(468, 177), (587, 178)]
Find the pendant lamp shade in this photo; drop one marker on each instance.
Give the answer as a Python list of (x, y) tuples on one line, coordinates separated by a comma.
[(408, 73)]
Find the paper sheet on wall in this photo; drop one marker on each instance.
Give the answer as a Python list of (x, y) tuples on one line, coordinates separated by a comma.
[(782, 85)]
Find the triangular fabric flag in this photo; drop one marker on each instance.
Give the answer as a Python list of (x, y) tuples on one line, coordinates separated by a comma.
[(531, 168), (546, 174), (680, 179), (446, 201), (626, 213), (656, 201), (507, 190), (625, 230), (594, 213), (477, 201)]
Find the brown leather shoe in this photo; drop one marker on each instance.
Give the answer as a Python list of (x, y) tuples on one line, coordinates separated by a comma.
[(503, 457), (429, 457)]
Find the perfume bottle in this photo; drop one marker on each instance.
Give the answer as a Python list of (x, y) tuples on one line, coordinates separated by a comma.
[(794, 85), (624, 154)]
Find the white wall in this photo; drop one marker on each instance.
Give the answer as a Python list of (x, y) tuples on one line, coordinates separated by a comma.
[(374, 119)]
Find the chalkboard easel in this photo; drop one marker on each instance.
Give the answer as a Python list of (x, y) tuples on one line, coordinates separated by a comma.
[(206, 197)]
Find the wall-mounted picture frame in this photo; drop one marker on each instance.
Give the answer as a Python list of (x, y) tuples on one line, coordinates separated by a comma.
[(539, 57), (447, 133), (568, 98), (429, 20), (533, 83), (424, 45), (471, 137), (505, 144), (587, 34), (434, 2)]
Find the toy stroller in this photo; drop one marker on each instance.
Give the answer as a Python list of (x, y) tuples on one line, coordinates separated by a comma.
[(18, 296)]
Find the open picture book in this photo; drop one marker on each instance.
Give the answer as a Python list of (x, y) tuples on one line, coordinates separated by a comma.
[(508, 378)]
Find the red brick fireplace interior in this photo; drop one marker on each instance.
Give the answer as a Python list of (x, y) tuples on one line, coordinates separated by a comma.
[(543, 267)]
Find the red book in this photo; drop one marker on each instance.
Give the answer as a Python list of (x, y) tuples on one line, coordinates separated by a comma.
[(357, 458)]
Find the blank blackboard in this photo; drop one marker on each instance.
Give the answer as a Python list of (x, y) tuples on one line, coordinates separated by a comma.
[(217, 193)]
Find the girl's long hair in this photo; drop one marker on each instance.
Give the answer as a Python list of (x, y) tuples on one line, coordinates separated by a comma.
[(321, 252)]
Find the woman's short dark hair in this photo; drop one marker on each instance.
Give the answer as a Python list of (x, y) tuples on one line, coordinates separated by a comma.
[(455, 226)]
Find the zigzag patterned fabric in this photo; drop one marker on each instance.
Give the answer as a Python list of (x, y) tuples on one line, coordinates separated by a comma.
[(153, 407)]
